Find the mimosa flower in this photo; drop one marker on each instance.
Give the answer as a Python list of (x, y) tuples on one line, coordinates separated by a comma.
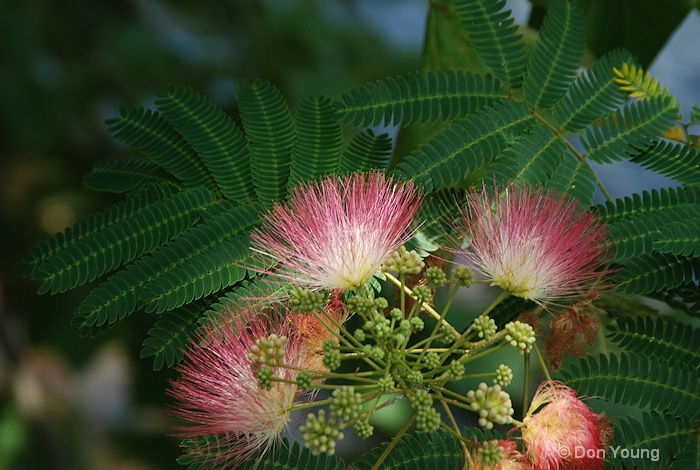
[(218, 391), (336, 233), (534, 244), (564, 433)]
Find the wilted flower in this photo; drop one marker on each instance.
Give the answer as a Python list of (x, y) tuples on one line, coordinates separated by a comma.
[(534, 244), (336, 233), (218, 391), (564, 433)]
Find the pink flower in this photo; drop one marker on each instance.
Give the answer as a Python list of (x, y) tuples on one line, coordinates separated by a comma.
[(218, 392), (335, 233), (564, 433), (534, 244)]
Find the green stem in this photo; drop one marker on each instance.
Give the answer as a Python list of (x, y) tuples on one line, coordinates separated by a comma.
[(540, 357), (393, 442), (526, 384), (407, 290)]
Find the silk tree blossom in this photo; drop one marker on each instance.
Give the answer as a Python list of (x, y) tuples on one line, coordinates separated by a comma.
[(217, 391), (335, 233), (564, 433), (533, 243)]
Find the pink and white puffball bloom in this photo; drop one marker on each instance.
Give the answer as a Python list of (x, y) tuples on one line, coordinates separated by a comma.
[(564, 433), (335, 233), (534, 243), (217, 391)]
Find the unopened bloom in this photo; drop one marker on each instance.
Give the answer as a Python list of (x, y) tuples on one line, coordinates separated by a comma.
[(564, 433), (534, 243), (499, 455), (217, 391), (336, 233)]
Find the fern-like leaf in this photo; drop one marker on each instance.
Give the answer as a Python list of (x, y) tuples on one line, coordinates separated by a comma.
[(593, 94), (169, 337), (673, 160), (215, 138), (575, 177), (366, 151), (556, 56), (680, 238), (665, 339), (628, 131), (493, 34), (121, 294), (318, 146), (656, 273), (270, 131), (668, 437), (207, 452), (87, 227), (419, 98), (148, 133), (685, 297), (631, 379), (534, 158), (121, 242), (464, 146), (435, 450), (205, 273), (125, 176), (662, 206)]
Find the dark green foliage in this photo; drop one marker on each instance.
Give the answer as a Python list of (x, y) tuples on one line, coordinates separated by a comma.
[(319, 139), (420, 98), (629, 130), (651, 222), (211, 451), (674, 342), (149, 134), (169, 337), (556, 56), (656, 273), (492, 32), (577, 178), (673, 437), (122, 241), (631, 379), (593, 94), (366, 151), (465, 146), (534, 159), (125, 176), (435, 450), (672, 159), (270, 131), (87, 227), (214, 137)]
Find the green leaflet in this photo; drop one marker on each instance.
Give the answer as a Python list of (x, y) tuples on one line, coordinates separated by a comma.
[(419, 98), (556, 56), (269, 128), (435, 450), (214, 136), (493, 34), (669, 340), (464, 147), (672, 439), (125, 176), (126, 239), (317, 149), (631, 379), (148, 133)]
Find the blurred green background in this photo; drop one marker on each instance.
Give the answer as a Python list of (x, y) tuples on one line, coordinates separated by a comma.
[(65, 66)]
